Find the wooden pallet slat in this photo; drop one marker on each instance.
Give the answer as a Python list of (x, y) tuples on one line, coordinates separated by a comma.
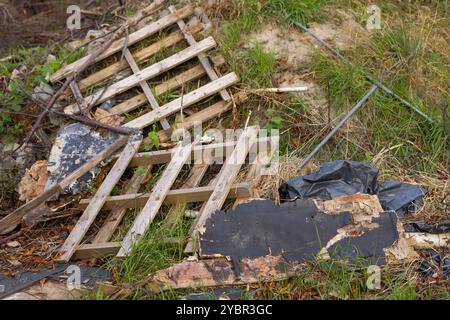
[(227, 175), (188, 195), (144, 85), (147, 73), (133, 38), (202, 57), (154, 202), (116, 215), (139, 56), (89, 215), (222, 184), (196, 175), (184, 101), (177, 81)]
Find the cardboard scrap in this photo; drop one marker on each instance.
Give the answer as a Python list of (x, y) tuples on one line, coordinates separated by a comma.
[(33, 182)]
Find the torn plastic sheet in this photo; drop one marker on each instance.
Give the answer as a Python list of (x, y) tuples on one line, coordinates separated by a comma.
[(434, 228), (434, 264), (342, 177)]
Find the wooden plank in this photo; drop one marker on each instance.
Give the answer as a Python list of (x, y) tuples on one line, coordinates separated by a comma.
[(163, 156), (96, 250), (254, 174), (196, 175), (144, 85), (9, 222), (89, 215), (202, 57), (190, 195), (147, 73), (177, 81), (156, 199), (227, 175), (133, 38), (203, 115), (421, 240), (184, 101), (140, 56), (220, 273), (115, 217)]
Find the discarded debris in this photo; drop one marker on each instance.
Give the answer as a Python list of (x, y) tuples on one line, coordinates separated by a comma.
[(435, 228), (281, 90), (298, 230), (75, 145), (33, 182), (434, 265), (50, 283), (342, 177), (220, 272), (10, 222), (350, 228)]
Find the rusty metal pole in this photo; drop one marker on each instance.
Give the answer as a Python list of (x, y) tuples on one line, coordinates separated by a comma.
[(340, 124), (372, 80)]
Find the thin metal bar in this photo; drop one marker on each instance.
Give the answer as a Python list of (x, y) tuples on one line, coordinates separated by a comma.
[(372, 80), (347, 116)]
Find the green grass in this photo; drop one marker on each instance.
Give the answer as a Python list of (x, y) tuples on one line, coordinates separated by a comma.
[(423, 145), (151, 253), (13, 100)]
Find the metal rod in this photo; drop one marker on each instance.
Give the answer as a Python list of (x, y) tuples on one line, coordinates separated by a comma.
[(372, 80), (335, 129)]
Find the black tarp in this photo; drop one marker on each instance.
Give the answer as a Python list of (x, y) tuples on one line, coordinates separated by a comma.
[(434, 228), (342, 177)]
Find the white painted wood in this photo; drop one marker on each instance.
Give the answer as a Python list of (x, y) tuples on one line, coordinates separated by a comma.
[(156, 199), (183, 102), (144, 85), (133, 38), (145, 74)]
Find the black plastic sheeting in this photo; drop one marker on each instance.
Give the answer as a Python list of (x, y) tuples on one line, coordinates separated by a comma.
[(434, 264), (342, 177), (434, 228)]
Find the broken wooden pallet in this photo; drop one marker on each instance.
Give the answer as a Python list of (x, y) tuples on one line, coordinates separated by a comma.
[(213, 196), (165, 77), (165, 72)]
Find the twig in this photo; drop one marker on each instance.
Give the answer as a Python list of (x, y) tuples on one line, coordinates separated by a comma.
[(11, 237), (91, 122), (97, 124)]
